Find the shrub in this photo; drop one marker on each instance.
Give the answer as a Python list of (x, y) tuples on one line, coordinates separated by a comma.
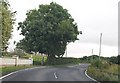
[(7, 54), (114, 60), (19, 52), (37, 59), (100, 64), (96, 63), (105, 65), (62, 61)]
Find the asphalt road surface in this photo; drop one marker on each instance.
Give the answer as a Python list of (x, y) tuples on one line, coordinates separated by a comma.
[(68, 73)]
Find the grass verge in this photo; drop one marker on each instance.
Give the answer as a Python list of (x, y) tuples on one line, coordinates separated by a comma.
[(106, 74), (9, 69)]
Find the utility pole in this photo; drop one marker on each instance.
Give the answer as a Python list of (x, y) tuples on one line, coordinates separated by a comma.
[(92, 56), (92, 51), (100, 45)]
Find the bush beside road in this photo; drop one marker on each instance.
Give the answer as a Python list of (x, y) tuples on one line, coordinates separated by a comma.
[(104, 72), (37, 59), (63, 61)]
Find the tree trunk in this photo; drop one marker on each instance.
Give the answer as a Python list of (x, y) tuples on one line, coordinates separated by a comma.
[(50, 60), (42, 60)]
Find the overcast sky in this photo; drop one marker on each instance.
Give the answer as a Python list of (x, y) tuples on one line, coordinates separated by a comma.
[(92, 16)]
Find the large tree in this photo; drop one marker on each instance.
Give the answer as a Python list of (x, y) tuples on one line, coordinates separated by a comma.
[(7, 21), (47, 30)]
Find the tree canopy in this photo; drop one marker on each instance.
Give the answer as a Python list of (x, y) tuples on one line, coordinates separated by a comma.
[(47, 30), (7, 21)]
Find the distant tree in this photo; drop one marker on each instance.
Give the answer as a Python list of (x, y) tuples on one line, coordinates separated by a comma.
[(47, 30), (95, 56), (7, 21), (114, 59), (19, 52), (84, 58)]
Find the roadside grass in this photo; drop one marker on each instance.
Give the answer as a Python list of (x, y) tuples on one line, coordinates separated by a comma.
[(9, 69), (105, 74), (112, 69)]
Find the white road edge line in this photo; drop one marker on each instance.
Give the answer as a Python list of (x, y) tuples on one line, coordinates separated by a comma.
[(55, 75), (16, 72), (8, 75), (89, 76)]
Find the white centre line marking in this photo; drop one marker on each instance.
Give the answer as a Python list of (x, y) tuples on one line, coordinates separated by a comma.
[(55, 75)]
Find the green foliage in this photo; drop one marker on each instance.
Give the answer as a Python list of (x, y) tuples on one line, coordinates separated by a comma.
[(101, 64), (114, 60), (26, 56), (62, 61), (114, 68), (105, 73), (37, 59), (97, 63), (7, 54), (19, 52), (6, 23), (103, 68), (89, 59), (95, 58), (48, 30)]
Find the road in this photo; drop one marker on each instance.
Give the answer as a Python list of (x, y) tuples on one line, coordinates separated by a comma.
[(68, 73)]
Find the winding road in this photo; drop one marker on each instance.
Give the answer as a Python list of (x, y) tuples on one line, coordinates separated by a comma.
[(68, 73)]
